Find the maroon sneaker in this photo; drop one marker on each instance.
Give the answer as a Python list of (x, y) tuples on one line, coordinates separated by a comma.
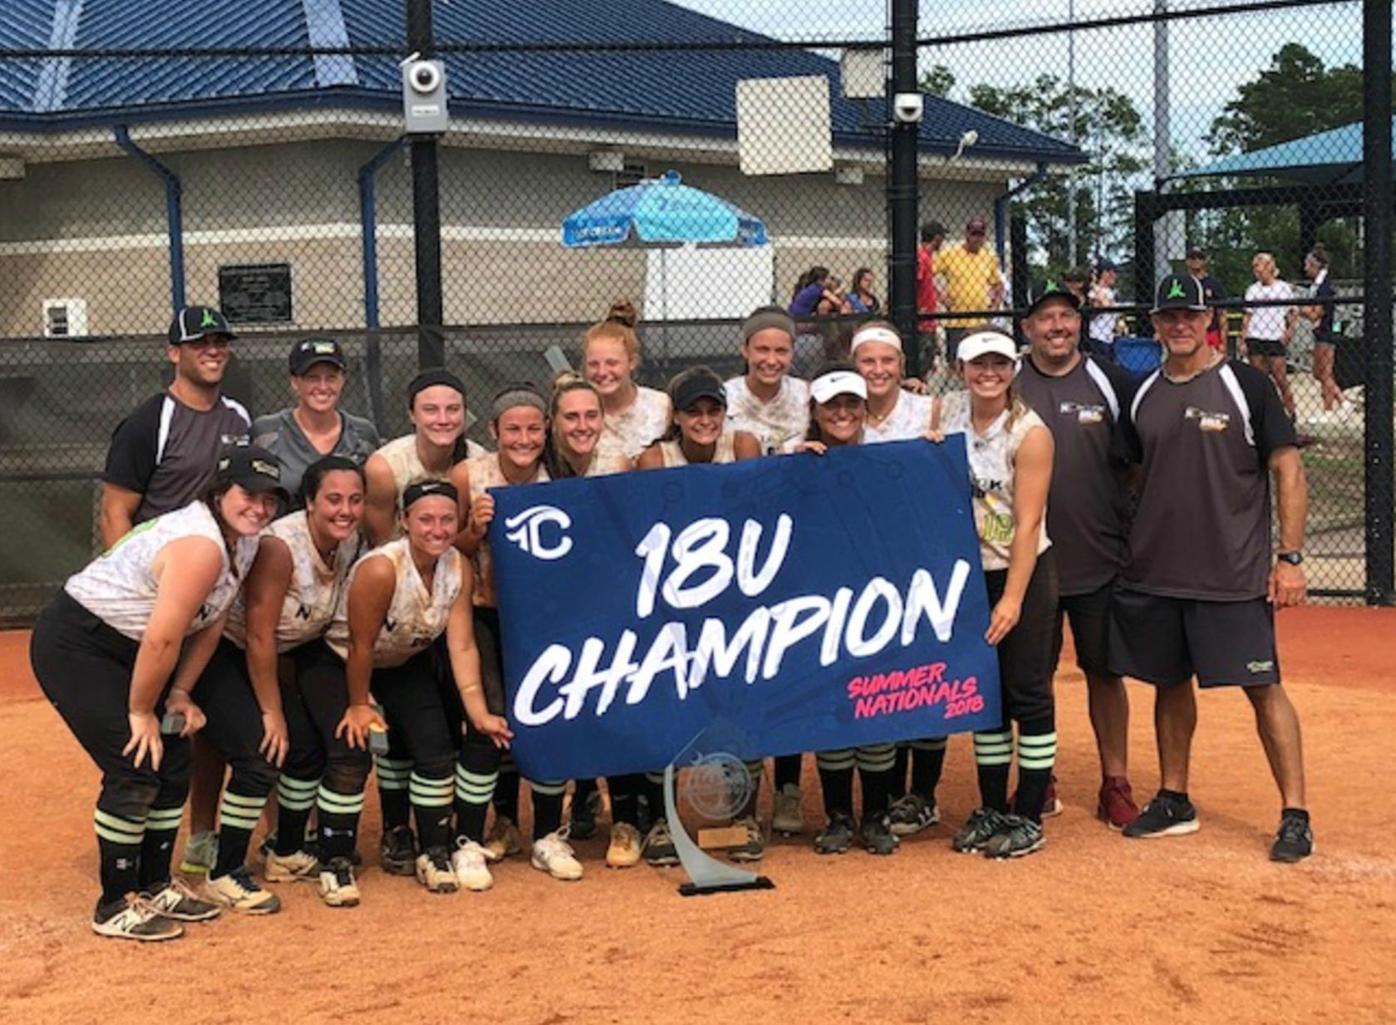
[(1117, 808)]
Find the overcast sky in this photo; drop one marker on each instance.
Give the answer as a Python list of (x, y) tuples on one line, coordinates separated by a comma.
[(1208, 57)]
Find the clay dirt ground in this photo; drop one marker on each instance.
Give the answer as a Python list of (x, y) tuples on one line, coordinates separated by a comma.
[(1092, 929)]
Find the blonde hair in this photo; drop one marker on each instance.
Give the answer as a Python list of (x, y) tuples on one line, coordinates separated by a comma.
[(565, 381)]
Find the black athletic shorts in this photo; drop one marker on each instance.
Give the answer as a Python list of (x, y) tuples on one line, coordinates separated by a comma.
[(1090, 629), (1165, 641), (1266, 347)]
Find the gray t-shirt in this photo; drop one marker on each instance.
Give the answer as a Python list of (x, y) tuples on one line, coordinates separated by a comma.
[(1202, 526), (280, 435), (1088, 506), (167, 452)]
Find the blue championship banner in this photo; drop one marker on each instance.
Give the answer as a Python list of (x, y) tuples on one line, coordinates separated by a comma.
[(804, 603)]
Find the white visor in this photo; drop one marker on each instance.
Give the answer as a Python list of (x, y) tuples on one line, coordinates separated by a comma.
[(838, 382), (875, 334), (982, 343)]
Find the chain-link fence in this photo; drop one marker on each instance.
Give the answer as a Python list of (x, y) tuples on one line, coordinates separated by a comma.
[(251, 155)]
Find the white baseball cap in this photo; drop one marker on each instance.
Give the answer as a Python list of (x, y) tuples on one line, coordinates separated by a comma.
[(838, 382), (981, 343)]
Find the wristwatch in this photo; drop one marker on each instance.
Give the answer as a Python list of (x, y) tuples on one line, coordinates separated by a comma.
[(1293, 558)]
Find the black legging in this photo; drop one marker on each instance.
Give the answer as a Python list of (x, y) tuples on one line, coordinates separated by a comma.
[(84, 668), (234, 729)]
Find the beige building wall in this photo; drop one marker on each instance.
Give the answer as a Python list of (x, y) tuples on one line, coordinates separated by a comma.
[(95, 230)]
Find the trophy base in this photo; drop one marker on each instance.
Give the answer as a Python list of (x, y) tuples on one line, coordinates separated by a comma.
[(694, 890)]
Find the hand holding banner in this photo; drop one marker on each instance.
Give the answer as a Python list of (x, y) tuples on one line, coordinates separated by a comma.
[(814, 602)]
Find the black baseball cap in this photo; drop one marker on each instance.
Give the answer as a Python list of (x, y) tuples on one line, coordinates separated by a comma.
[(1180, 292), (307, 353), (1197, 253), (195, 322), (694, 384), (252, 468), (1051, 288)]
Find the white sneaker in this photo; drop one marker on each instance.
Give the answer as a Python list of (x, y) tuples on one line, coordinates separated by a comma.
[(299, 867), (468, 863), (237, 891), (137, 920), (338, 887), (179, 902), (503, 840), (553, 855), (435, 873)]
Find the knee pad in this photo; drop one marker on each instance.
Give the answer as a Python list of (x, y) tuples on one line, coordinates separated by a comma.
[(253, 776), (131, 799), (347, 775)]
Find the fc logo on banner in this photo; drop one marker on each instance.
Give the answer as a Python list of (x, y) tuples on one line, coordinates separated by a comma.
[(525, 529)]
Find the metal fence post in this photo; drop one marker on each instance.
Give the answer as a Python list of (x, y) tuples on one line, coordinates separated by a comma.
[(1376, 314), (902, 185), (426, 211)]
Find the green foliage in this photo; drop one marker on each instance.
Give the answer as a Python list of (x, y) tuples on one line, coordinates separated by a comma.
[(1109, 129), (938, 81)]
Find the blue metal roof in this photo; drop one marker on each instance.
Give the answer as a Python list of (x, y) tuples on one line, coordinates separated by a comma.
[(1330, 158), (693, 90)]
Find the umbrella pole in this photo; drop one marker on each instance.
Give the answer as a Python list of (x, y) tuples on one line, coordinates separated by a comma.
[(664, 305)]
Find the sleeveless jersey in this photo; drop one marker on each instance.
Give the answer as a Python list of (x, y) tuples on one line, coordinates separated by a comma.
[(119, 587), (484, 474), (991, 457), (315, 589), (415, 618), (401, 456), (910, 418), (672, 451), (607, 464), (630, 433)]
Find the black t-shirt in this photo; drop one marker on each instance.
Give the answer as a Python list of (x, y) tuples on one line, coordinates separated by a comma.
[(1324, 330), (166, 451), (1088, 506), (1213, 291), (1202, 525)]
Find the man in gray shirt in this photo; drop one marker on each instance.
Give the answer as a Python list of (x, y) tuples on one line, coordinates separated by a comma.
[(315, 426), (163, 454), (1198, 593), (1084, 400)]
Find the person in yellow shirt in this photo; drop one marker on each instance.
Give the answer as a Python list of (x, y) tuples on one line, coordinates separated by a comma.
[(973, 283)]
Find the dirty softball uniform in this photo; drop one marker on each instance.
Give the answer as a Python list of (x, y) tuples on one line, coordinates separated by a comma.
[(630, 433), (910, 418), (1025, 655), (83, 651), (773, 423), (404, 684), (394, 770), (225, 693), (481, 775)]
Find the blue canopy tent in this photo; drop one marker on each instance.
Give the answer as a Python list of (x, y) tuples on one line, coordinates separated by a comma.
[(1334, 157)]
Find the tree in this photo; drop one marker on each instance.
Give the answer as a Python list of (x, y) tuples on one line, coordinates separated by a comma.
[(938, 81), (1296, 96), (1109, 129)]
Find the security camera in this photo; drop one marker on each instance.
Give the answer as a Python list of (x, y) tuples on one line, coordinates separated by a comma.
[(424, 77), (424, 96), (907, 107)]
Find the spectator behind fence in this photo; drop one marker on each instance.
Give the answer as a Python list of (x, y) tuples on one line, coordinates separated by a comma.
[(927, 297), (1078, 282), (1104, 326), (809, 292), (973, 282), (1267, 329), (861, 298), (1214, 292), (315, 426), (1327, 331)]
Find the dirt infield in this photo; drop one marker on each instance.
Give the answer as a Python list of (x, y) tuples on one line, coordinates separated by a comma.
[(1093, 929)]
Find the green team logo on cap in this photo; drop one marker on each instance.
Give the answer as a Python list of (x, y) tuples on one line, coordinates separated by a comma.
[(209, 320), (1050, 286), (1175, 290)]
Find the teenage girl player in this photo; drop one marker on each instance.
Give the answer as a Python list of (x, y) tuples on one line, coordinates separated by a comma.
[(104, 651)]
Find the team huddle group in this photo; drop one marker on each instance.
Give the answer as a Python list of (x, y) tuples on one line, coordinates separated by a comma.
[(259, 644)]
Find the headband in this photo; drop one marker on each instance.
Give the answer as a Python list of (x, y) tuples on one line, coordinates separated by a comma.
[(875, 333), (522, 395), (838, 382), (428, 489), (763, 320), (430, 379)]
